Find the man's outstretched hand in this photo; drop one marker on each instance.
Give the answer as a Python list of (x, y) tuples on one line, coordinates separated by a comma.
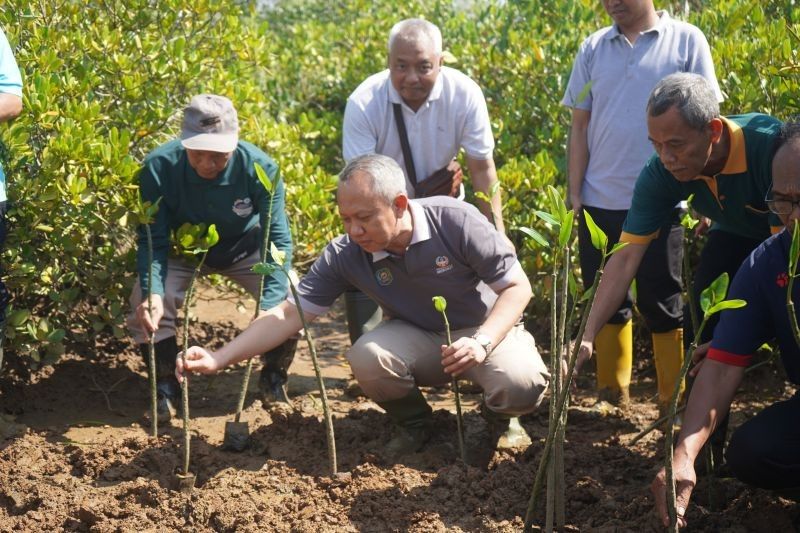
[(198, 360)]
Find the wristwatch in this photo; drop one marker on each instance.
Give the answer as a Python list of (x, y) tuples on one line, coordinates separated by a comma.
[(485, 341)]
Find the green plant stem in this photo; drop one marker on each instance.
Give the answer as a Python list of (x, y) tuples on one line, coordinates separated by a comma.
[(669, 434), (151, 348), (548, 444), (689, 281), (264, 247), (561, 430), (185, 382), (331, 438), (550, 502), (457, 392)]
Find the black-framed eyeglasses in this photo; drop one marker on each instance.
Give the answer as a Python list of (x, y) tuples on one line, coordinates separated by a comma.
[(780, 206)]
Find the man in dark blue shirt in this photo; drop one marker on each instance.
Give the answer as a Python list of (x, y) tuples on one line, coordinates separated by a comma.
[(765, 450)]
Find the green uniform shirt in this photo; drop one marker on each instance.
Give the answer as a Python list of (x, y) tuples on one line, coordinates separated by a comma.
[(733, 199), (235, 201)]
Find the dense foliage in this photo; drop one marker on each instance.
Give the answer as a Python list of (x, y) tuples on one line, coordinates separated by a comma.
[(105, 82)]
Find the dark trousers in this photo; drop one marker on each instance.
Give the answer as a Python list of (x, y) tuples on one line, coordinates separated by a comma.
[(658, 280), (765, 450), (723, 252)]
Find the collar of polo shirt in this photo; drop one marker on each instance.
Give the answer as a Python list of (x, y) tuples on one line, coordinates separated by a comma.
[(663, 17), (420, 229)]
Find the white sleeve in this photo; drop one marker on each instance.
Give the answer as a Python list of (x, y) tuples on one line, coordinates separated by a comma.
[(358, 137), (476, 138)]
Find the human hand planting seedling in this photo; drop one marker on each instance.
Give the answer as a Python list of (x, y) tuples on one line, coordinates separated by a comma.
[(450, 352), (192, 240)]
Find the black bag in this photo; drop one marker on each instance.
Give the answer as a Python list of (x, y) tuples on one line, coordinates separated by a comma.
[(444, 182)]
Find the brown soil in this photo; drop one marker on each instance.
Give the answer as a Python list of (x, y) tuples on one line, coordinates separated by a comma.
[(80, 461)]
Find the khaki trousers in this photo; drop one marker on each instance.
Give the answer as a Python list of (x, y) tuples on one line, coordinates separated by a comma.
[(396, 356), (179, 273)]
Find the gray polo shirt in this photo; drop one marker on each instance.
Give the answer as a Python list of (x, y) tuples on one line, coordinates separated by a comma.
[(454, 252), (622, 77)]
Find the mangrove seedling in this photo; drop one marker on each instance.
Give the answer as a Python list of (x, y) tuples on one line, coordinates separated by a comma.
[(560, 220), (712, 301), (267, 269), (440, 304), (192, 240), (600, 242), (146, 212), (237, 432)]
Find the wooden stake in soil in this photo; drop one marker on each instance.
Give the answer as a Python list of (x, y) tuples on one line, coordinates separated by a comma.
[(440, 304)]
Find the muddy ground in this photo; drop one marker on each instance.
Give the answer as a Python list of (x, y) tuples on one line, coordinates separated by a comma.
[(77, 458)]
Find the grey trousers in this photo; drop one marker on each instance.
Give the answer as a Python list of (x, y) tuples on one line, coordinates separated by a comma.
[(397, 356), (179, 272)]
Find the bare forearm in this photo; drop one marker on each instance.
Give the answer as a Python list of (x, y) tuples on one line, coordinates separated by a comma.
[(578, 153), (709, 401), (10, 106), (614, 284), (271, 329), (484, 175), (510, 305)]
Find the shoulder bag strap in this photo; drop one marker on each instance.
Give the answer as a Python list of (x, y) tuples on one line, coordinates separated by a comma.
[(401, 130)]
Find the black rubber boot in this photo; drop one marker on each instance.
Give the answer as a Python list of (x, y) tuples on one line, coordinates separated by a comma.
[(168, 391), (275, 373), (363, 314), (413, 417)]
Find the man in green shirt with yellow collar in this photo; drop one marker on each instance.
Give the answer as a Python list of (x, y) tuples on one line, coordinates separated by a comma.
[(724, 162)]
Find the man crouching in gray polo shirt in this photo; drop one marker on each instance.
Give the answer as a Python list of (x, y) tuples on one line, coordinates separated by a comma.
[(401, 252)]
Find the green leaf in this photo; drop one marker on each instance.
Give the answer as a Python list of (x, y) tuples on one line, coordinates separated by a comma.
[(535, 235), (263, 178), (265, 269), (566, 229), (439, 303), (727, 304), (598, 236), (794, 249), (547, 217), (279, 256), (557, 204), (18, 317), (212, 237), (720, 287), (586, 295), (617, 247)]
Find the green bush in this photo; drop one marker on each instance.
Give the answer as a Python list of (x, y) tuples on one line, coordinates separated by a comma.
[(105, 83)]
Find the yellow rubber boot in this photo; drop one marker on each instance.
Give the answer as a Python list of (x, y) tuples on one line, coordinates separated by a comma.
[(614, 347), (668, 355)]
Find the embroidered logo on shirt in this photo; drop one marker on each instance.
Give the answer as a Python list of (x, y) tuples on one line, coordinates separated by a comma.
[(782, 280), (443, 264), (243, 208), (384, 277)]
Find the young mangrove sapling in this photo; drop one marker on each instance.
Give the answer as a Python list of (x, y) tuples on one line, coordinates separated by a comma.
[(440, 304)]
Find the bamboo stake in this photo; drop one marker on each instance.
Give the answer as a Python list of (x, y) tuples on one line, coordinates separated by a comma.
[(151, 348)]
